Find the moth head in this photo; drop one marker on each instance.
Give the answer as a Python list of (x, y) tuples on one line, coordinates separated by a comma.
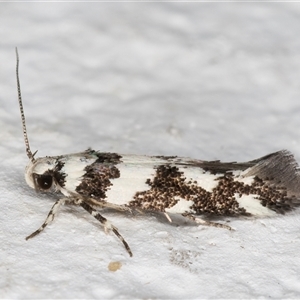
[(42, 174)]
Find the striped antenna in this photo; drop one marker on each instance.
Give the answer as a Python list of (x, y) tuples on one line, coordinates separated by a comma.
[(28, 151)]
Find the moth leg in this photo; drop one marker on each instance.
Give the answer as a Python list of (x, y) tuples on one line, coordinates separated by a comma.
[(107, 225), (139, 210), (108, 205), (51, 215), (168, 217), (118, 207), (205, 222)]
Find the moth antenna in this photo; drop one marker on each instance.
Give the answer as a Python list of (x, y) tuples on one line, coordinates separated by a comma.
[(28, 151)]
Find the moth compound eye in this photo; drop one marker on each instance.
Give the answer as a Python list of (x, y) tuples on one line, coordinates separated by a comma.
[(43, 182)]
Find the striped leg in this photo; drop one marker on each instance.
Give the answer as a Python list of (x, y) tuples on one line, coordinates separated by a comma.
[(117, 207), (206, 223), (107, 225), (52, 213)]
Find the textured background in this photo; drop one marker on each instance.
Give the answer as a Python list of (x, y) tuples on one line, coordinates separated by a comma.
[(209, 81)]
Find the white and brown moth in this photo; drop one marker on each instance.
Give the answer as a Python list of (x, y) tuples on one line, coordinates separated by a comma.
[(192, 188)]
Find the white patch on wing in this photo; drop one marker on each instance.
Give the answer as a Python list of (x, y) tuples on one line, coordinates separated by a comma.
[(134, 171), (181, 206), (246, 180), (253, 206), (74, 168), (204, 179), (240, 177)]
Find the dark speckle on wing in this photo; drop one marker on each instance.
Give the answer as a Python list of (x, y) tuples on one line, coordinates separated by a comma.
[(97, 179), (169, 184)]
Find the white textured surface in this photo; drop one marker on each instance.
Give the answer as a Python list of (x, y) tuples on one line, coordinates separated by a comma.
[(205, 80)]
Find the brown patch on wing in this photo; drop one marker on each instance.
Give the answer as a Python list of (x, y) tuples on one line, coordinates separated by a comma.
[(169, 183), (166, 185), (222, 201), (96, 180)]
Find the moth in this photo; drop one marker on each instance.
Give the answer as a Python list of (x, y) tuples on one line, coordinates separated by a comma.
[(193, 188)]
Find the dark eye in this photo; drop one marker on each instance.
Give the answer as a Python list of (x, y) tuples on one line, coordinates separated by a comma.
[(44, 182)]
